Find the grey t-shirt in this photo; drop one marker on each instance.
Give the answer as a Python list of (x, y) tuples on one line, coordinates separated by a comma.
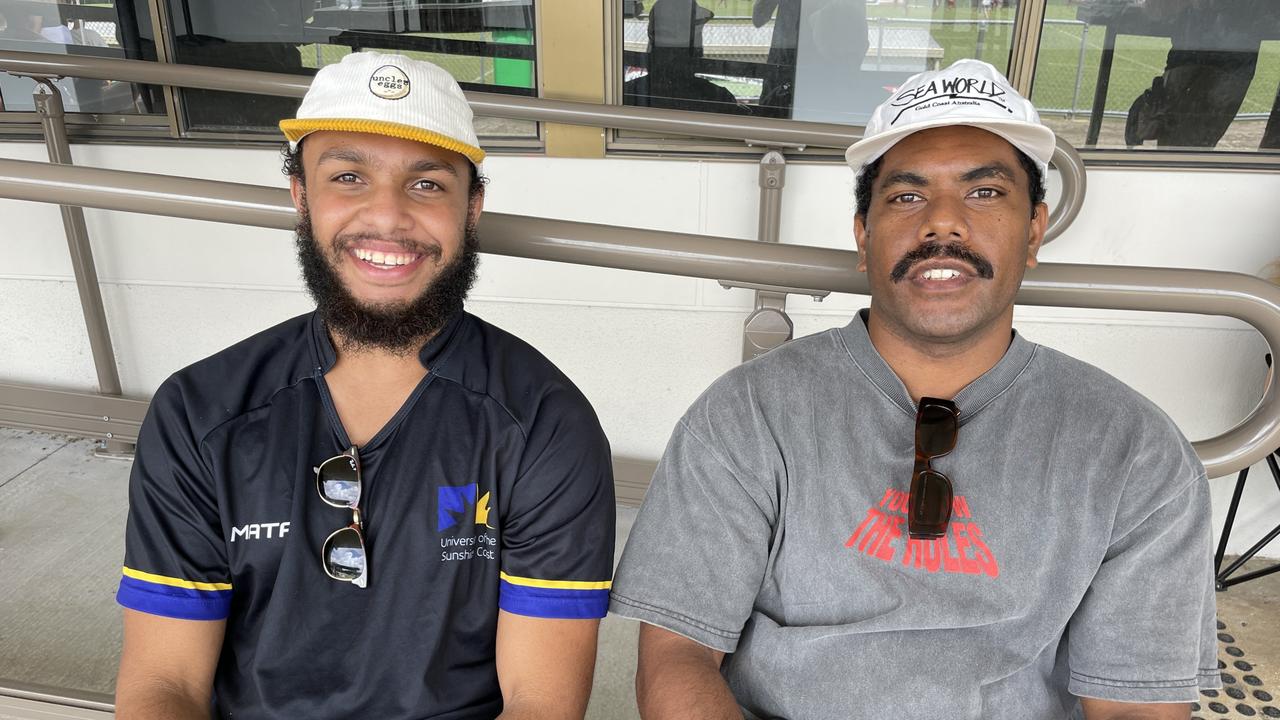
[(1078, 561)]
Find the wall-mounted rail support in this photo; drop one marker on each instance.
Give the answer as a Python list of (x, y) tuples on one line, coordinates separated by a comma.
[(48, 100)]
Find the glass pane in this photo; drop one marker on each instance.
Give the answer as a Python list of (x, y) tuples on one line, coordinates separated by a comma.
[(819, 60), (1162, 74), (486, 44), (110, 28)]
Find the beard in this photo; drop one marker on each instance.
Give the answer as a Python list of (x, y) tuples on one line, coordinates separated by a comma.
[(400, 328)]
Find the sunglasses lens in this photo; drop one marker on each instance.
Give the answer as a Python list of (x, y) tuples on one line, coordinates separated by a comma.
[(344, 555), (338, 482), (936, 429), (930, 507)]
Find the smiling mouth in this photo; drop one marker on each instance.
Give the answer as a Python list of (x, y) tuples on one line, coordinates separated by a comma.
[(385, 260), (975, 266), (940, 274)]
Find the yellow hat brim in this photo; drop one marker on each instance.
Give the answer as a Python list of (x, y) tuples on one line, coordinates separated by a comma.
[(297, 128)]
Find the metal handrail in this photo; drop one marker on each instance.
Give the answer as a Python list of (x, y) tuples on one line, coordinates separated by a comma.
[(1247, 298), (755, 131)]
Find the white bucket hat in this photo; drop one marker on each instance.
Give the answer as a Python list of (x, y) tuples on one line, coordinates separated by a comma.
[(970, 92), (387, 95)]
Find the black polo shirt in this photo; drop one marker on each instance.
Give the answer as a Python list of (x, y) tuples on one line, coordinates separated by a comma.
[(491, 488)]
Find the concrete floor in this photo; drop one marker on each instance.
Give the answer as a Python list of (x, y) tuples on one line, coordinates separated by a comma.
[(62, 517)]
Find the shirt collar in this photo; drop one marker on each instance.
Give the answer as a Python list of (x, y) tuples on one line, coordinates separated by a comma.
[(970, 400)]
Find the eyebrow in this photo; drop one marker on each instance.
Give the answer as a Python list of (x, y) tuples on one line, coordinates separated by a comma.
[(903, 177), (425, 166), (356, 157), (343, 154), (993, 170)]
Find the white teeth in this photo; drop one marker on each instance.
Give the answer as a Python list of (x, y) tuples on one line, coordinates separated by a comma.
[(940, 274), (374, 257)]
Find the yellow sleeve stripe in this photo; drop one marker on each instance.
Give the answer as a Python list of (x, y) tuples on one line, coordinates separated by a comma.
[(557, 584), (174, 582)]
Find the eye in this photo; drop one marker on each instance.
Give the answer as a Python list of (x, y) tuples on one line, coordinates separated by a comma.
[(987, 193), (428, 185), (904, 198), (346, 178)]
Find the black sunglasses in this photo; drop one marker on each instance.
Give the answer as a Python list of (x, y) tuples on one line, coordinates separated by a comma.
[(343, 554), (929, 510)]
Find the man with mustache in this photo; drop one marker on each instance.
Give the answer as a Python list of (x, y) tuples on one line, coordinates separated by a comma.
[(386, 508), (923, 514)]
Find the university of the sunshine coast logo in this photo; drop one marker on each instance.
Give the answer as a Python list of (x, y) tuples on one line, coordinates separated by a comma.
[(949, 91), (389, 83), (464, 511), (882, 534)]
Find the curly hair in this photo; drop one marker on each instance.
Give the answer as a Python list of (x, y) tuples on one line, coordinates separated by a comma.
[(293, 168), (871, 171)]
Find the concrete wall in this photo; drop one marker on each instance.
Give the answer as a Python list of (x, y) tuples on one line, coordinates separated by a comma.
[(641, 346)]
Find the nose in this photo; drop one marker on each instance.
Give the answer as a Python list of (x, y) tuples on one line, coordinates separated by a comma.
[(944, 221), (386, 211)]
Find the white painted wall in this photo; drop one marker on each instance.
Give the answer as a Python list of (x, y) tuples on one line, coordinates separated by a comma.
[(641, 346)]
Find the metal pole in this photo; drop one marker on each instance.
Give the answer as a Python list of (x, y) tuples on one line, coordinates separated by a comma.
[(53, 122), (773, 176), (1226, 526), (1075, 94), (1100, 91), (768, 326), (879, 40)]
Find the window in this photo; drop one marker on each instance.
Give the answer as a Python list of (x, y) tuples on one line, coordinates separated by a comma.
[(103, 29), (818, 60), (485, 45), (1161, 74)]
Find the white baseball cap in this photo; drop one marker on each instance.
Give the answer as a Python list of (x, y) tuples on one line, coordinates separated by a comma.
[(970, 92), (387, 95)]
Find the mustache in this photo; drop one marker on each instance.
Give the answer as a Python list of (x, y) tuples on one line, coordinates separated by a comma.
[(409, 245), (931, 250)]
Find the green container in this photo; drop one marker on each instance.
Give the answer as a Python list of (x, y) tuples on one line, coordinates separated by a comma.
[(508, 72)]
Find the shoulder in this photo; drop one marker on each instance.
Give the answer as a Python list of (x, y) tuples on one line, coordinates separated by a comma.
[(1124, 430), (240, 378), (1086, 393), (772, 378), (760, 398), (491, 362)]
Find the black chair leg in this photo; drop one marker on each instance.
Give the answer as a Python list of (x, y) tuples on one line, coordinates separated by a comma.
[(1223, 578)]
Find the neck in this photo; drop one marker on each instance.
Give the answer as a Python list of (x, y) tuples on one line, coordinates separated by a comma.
[(939, 368), (380, 365)]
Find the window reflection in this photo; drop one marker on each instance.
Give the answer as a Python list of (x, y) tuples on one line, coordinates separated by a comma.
[(1167, 74), (103, 29), (485, 44), (819, 60)]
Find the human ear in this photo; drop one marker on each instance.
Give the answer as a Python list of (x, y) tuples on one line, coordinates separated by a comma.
[(859, 240), (298, 192), (1039, 224)]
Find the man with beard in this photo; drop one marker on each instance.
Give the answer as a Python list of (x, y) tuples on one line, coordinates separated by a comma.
[(386, 508), (923, 514)]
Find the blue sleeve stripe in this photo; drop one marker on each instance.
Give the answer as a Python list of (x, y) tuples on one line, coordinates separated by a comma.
[(174, 602), (552, 602)]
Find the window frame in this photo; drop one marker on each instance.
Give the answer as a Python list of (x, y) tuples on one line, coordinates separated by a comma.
[(171, 128)]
